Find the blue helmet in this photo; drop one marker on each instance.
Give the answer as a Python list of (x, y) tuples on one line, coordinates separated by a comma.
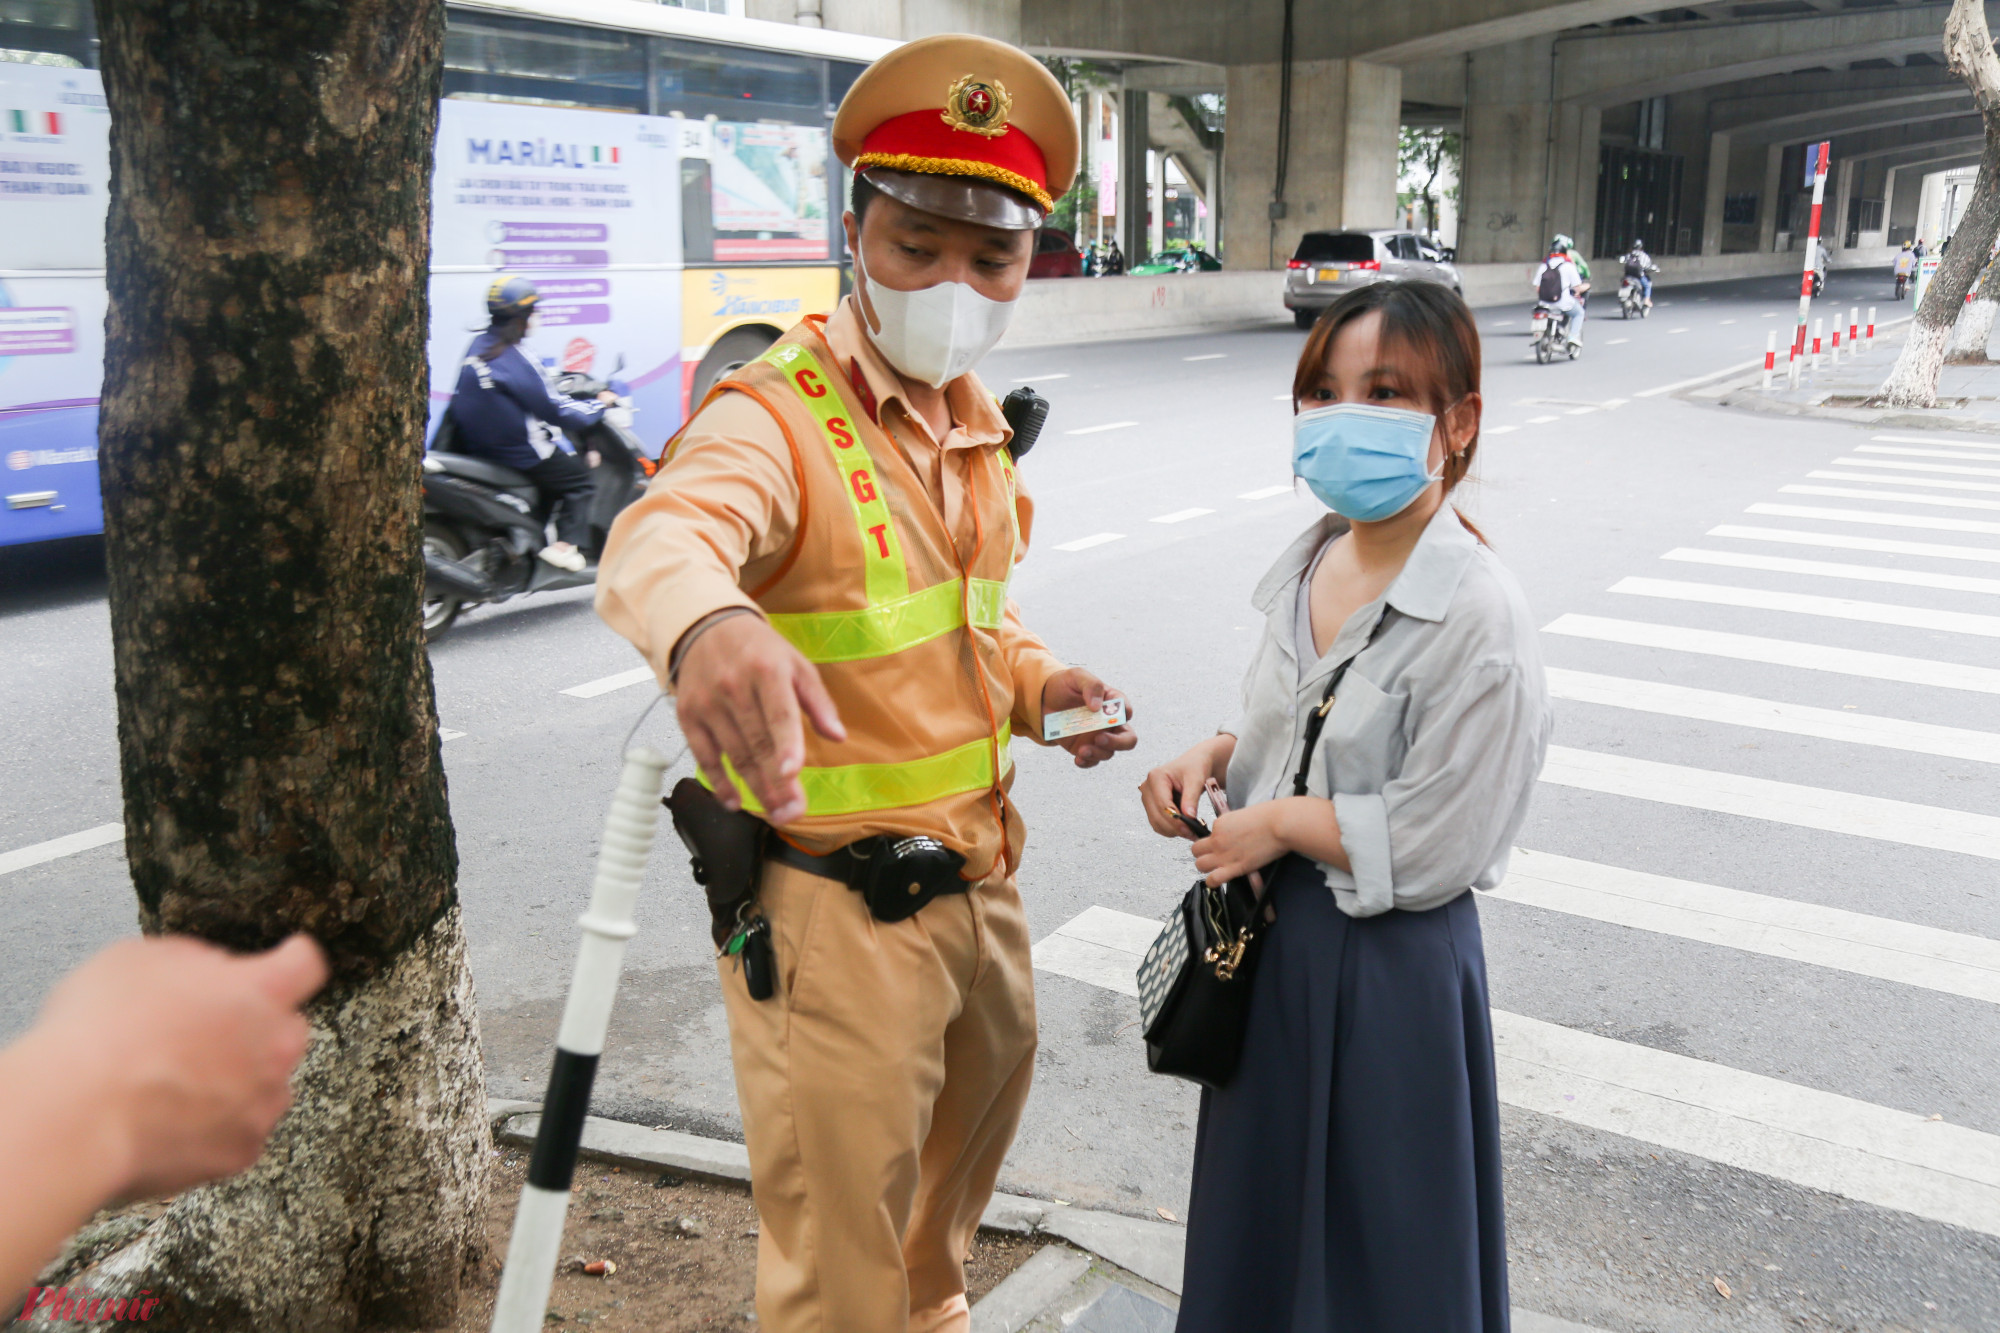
[(511, 298)]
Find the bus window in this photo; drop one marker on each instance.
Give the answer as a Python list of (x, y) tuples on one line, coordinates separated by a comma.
[(490, 57), (763, 152), (62, 33)]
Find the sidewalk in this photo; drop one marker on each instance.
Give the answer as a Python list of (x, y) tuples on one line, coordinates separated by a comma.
[(1101, 1272), (1968, 396)]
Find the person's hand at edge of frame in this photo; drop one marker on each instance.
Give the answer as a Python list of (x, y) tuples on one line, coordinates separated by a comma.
[(740, 691), (1074, 687), (1178, 785)]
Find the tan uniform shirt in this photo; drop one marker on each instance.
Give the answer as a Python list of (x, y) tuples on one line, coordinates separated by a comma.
[(720, 516)]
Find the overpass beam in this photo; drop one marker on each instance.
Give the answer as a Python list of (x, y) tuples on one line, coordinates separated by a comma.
[(1341, 164)]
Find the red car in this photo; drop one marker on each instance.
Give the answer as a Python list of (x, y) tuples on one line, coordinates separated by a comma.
[(1056, 255)]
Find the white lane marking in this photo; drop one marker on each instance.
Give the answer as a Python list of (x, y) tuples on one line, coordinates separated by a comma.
[(1094, 430), (1926, 453), (590, 689), (1266, 493), (1862, 1151), (67, 845), (1613, 342), (1893, 1159), (1096, 539), (1843, 542), (1282, 398), (1500, 430), (1739, 710), (1853, 493), (1819, 808), (1543, 420), (1182, 515), (1875, 517), (1876, 479), (1614, 402), (447, 734), (1919, 467), (1699, 379), (1579, 411), (1206, 356), (1768, 314), (1869, 946), (1503, 323), (1040, 379), (1728, 321), (1808, 604), (1780, 652), (1778, 564), (1677, 330), (1955, 441)]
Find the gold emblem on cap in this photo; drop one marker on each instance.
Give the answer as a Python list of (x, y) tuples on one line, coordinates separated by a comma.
[(979, 105)]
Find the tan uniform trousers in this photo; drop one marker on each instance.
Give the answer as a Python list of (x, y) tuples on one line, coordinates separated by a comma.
[(880, 1089)]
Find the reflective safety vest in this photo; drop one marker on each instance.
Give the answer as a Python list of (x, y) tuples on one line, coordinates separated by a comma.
[(898, 617)]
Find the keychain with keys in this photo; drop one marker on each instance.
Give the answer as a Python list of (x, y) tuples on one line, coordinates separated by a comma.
[(750, 944)]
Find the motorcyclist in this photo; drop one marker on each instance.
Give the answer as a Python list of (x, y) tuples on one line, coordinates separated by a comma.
[(1640, 268), (1906, 267), (1559, 284), (505, 413)]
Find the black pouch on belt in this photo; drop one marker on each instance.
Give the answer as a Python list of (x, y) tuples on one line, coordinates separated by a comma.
[(896, 877), (727, 847)]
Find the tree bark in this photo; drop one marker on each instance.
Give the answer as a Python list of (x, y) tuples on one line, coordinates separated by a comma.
[(1968, 50), (262, 430), (1974, 329)]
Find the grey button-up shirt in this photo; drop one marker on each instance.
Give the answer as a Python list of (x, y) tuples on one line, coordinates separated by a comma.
[(1438, 730)]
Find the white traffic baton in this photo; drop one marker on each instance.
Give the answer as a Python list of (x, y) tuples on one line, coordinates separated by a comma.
[(1770, 356), (607, 925)]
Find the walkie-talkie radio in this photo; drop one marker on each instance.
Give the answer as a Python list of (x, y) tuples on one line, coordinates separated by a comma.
[(1025, 411)]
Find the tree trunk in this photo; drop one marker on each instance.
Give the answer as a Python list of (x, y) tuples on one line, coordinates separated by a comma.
[(262, 428), (1974, 329), (1968, 50)]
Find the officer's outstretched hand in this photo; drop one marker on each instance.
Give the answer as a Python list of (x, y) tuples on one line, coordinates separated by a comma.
[(1073, 687), (739, 693)]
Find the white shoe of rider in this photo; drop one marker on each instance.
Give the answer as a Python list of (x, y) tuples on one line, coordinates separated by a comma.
[(563, 556)]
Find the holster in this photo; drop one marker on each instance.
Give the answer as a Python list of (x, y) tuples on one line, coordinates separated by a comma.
[(727, 848)]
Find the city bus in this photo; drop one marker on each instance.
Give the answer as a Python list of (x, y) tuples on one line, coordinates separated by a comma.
[(664, 174)]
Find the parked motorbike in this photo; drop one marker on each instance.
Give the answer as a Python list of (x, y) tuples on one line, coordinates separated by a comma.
[(1549, 334), (1631, 300), (485, 523)]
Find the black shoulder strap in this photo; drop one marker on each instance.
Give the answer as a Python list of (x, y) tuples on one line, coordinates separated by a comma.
[(1317, 722)]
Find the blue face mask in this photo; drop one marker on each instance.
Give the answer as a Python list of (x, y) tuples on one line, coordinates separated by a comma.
[(1364, 462)]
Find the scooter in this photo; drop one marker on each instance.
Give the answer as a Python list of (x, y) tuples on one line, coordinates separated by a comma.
[(1548, 334), (484, 523), (1631, 300)]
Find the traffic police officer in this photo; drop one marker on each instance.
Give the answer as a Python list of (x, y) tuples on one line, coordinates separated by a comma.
[(820, 573)]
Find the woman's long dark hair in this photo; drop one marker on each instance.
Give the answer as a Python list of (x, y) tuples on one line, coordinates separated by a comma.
[(1425, 325)]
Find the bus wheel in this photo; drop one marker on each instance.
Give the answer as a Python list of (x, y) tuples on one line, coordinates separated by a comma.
[(731, 352)]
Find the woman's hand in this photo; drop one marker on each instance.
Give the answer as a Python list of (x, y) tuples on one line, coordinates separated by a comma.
[(1242, 841), (1178, 785)]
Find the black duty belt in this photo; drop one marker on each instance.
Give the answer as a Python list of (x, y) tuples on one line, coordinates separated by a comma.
[(895, 876)]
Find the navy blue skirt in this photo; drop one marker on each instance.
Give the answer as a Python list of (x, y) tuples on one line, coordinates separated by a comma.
[(1348, 1178)]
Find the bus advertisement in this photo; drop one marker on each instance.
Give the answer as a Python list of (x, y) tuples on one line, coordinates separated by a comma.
[(664, 177)]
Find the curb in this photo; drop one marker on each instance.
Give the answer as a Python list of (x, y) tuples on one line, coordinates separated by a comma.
[(1153, 1252)]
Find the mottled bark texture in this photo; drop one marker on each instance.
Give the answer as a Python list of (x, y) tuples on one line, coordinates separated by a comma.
[(1974, 329), (262, 429), (1968, 50)]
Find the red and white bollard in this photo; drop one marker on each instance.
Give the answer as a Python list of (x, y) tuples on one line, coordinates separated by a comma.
[(1836, 339), (1871, 328), (1819, 326), (1854, 330), (1770, 357)]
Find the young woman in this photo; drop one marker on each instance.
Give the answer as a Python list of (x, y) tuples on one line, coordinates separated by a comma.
[(1348, 1177)]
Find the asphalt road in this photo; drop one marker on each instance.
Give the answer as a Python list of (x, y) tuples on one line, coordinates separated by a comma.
[(1730, 1073)]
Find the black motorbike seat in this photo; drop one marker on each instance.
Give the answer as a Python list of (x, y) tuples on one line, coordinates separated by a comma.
[(478, 469)]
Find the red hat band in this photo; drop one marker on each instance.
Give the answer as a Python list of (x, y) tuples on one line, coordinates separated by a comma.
[(923, 141)]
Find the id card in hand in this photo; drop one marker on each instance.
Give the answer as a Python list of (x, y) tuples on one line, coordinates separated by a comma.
[(1076, 721)]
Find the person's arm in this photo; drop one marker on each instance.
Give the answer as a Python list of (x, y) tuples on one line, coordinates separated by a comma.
[(520, 380), (157, 1065)]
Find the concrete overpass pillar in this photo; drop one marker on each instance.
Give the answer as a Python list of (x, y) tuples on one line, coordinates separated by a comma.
[(1341, 166), (1510, 141), (1134, 194), (1717, 192), (1767, 198), (1573, 178), (1833, 227)]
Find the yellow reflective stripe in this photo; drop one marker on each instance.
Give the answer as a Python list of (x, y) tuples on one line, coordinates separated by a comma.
[(1013, 508), (989, 603), (874, 631), (888, 578), (857, 788)]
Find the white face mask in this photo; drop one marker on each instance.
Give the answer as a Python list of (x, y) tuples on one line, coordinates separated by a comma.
[(937, 334)]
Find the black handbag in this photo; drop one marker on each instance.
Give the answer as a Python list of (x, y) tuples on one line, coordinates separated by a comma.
[(1194, 984)]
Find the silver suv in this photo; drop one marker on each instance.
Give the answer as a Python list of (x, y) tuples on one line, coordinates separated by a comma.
[(1329, 262)]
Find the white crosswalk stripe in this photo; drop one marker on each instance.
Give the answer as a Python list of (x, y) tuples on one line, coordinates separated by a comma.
[(1951, 468), (1778, 564), (1838, 608), (1856, 493), (1937, 483), (1847, 541), (1876, 518), (1780, 652)]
